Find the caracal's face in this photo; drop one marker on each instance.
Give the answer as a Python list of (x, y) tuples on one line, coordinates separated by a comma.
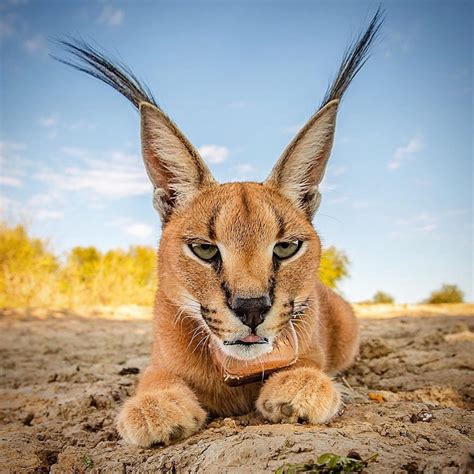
[(240, 259), (244, 261)]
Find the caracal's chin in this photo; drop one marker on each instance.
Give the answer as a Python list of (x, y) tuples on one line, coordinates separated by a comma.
[(244, 352)]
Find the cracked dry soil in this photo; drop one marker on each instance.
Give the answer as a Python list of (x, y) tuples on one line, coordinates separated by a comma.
[(64, 375)]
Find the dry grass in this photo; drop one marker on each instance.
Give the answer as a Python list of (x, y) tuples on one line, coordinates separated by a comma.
[(382, 311)]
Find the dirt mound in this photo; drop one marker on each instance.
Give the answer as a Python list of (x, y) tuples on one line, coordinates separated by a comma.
[(409, 398)]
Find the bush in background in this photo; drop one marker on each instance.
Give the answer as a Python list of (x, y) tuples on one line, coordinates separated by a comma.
[(28, 270), (381, 297), (116, 277), (446, 294), (31, 275), (334, 267)]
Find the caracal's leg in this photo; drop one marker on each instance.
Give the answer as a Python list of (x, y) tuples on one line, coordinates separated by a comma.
[(164, 409), (299, 394)]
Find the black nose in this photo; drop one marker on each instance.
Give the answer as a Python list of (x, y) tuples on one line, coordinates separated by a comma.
[(251, 311)]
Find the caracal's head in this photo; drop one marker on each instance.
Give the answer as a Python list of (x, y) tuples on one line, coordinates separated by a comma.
[(240, 259)]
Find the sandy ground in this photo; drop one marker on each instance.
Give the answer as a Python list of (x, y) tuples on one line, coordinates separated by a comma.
[(64, 375)]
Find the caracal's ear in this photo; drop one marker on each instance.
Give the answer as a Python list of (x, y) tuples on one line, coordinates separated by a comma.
[(300, 169), (174, 166)]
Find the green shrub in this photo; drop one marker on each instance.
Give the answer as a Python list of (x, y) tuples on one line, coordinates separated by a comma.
[(381, 297), (446, 294)]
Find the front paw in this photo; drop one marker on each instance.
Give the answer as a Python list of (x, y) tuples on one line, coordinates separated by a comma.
[(301, 394), (160, 417)]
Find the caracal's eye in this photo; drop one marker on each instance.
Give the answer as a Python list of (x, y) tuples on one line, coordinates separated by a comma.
[(286, 249), (204, 251)]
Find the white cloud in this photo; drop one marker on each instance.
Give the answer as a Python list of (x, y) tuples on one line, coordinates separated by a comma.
[(9, 206), (46, 198), (112, 175), (51, 123), (214, 153), (423, 222), (327, 187), (396, 41), (12, 25), (31, 209), (414, 145), (48, 122), (36, 45), (339, 170), (245, 171), (139, 229), (9, 181), (111, 16), (7, 26), (458, 212), (426, 223), (48, 214), (99, 179), (11, 163), (6, 145), (13, 210)]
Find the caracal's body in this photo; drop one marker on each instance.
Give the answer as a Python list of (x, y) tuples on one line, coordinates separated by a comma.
[(237, 269)]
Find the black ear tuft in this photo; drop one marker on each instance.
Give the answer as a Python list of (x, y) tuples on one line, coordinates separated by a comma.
[(354, 59), (90, 60)]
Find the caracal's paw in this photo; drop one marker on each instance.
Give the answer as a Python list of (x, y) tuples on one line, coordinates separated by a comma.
[(160, 417), (302, 394)]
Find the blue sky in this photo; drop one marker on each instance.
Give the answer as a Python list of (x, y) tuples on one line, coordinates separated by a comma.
[(239, 78)]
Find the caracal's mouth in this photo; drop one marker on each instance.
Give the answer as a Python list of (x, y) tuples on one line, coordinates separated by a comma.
[(249, 340), (248, 347)]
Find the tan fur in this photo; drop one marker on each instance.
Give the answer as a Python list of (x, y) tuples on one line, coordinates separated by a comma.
[(162, 415), (254, 298), (300, 394), (182, 372), (301, 166)]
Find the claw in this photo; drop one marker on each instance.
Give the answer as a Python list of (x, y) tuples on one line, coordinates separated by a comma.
[(268, 406), (176, 433), (287, 409)]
